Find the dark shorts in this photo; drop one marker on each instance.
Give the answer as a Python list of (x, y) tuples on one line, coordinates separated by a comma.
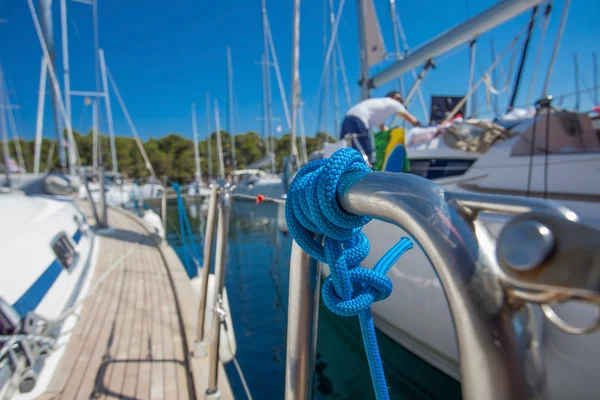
[(354, 125)]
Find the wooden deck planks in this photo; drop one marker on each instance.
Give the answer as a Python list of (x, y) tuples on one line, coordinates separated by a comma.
[(129, 342)]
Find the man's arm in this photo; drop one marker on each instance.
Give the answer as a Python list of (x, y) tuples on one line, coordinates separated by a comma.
[(412, 120)]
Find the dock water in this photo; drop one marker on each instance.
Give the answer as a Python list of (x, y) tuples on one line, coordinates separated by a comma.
[(137, 326)]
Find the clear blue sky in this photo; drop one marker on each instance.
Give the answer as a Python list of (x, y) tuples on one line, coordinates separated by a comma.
[(166, 55)]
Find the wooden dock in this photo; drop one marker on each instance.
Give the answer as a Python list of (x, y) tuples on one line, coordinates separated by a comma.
[(137, 329)]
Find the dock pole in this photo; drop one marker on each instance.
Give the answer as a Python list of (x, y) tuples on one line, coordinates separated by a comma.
[(200, 349), (213, 391), (303, 314)]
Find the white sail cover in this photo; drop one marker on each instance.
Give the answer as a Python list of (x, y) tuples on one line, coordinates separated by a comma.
[(375, 47)]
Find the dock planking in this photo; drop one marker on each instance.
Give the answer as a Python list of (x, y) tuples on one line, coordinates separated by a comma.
[(137, 327)]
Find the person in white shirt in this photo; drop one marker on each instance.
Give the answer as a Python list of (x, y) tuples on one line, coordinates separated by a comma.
[(371, 113)]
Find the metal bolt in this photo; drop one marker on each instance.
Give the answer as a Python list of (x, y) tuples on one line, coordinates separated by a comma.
[(523, 245)]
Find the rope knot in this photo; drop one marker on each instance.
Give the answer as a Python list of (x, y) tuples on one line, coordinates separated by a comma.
[(313, 215)]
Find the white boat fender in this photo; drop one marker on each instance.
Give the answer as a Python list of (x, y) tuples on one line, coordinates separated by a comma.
[(154, 223), (227, 342), (281, 223)]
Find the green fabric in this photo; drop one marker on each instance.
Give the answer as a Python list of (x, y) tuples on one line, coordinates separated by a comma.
[(381, 142)]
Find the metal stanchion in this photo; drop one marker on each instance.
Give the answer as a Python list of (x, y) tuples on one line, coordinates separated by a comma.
[(303, 313), (163, 204), (200, 345), (219, 313)]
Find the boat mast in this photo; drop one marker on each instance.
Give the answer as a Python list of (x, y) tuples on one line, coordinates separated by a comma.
[(473, 58), (96, 110), (334, 76), (364, 65), (268, 81), (515, 91), (46, 25), (219, 144), (577, 92), (39, 124), (208, 137), (494, 76), (465, 32), (595, 56), (196, 155), (109, 117), (67, 85), (230, 108), (3, 126), (394, 16), (295, 82)]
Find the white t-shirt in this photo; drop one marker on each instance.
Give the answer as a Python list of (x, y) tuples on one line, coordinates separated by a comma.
[(374, 112)]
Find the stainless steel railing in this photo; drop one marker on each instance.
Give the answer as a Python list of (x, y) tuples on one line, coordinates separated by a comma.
[(487, 283)]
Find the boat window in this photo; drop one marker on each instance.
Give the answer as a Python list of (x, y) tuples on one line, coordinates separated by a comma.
[(439, 168), (64, 250)]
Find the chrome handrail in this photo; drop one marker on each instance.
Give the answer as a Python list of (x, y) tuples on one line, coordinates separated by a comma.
[(486, 296)]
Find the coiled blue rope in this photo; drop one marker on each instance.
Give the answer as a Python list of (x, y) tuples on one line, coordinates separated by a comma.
[(185, 230), (313, 212)]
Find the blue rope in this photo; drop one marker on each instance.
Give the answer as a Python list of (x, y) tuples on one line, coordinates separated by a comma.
[(187, 236), (312, 211)]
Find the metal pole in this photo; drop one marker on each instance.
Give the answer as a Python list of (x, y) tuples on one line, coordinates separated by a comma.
[(295, 83), (595, 55), (394, 16), (465, 32), (95, 151), (230, 107), (494, 76), (334, 75), (219, 144), (109, 117), (39, 124), (100, 161), (417, 82), (218, 316), (84, 179), (563, 22), (163, 203), (200, 349), (208, 137), (513, 97), (4, 128), (47, 29), (267, 77), (196, 155), (577, 92), (67, 84), (473, 57), (303, 313), (364, 66)]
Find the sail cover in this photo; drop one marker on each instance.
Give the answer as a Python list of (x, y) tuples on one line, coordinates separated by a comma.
[(375, 47)]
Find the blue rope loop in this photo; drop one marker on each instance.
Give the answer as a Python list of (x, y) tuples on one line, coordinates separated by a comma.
[(312, 213), (187, 237)]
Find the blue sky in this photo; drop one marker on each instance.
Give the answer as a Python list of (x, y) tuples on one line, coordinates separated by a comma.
[(166, 55)]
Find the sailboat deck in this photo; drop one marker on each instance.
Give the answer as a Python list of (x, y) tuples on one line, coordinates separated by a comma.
[(137, 326)]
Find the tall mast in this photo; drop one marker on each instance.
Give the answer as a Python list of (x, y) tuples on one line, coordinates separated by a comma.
[(95, 138), (109, 117), (267, 77), (364, 63), (219, 144), (47, 30), (230, 108), (196, 155), (208, 137), (67, 85), (334, 73), (595, 55), (4, 129), (394, 16), (295, 80), (96, 109), (494, 77), (577, 92), (39, 124), (563, 22), (513, 97), (473, 58)]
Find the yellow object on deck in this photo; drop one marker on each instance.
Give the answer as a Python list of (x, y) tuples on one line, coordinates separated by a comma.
[(396, 138)]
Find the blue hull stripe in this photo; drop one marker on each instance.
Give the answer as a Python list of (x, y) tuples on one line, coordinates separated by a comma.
[(36, 292)]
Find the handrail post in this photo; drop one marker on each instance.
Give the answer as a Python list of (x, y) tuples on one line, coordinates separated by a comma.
[(163, 204), (200, 345), (212, 390), (303, 313)]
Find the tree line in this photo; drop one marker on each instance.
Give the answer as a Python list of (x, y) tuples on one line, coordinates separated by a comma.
[(172, 155)]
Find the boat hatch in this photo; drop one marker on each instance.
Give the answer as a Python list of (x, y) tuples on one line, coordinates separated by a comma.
[(64, 250)]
